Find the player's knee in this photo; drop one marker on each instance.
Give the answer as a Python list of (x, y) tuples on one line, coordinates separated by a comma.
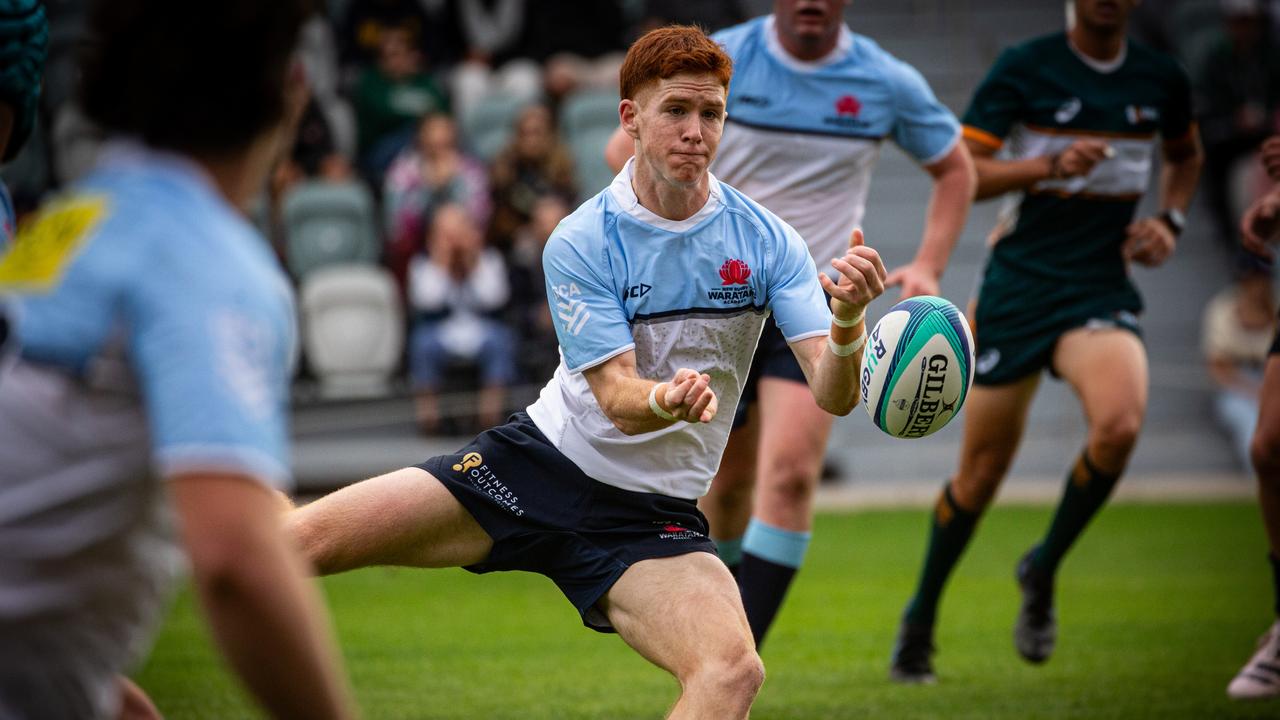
[(792, 480), (1116, 434), (735, 676), (1264, 450)]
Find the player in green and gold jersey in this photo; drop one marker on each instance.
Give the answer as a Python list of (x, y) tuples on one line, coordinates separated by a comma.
[(1076, 114)]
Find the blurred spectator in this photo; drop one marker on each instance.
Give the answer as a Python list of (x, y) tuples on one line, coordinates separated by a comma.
[(1239, 92), (432, 25), (426, 175), (497, 61), (390, 99), (710, 15), (454, 292), (1238, 326), (535, 164), (529, 313)]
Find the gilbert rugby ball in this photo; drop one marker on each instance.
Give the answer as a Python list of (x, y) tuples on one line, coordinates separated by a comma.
[(917, 367)]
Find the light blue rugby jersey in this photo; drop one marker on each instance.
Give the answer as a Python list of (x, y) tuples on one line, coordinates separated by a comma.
[(691, 293), (152, 273), (803, 137)]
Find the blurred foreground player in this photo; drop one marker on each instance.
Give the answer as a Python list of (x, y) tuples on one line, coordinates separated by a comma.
[(661, 284), (1260, 677), (154, 334), (810, 104), (1079, 110)]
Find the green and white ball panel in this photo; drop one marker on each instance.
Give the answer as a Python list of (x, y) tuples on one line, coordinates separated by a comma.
[(917, 368)]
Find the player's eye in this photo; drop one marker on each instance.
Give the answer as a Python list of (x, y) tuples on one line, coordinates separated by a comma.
[(711, 114), (675, 110)]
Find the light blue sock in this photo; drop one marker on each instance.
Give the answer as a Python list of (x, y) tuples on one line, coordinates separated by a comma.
[(729, 550), (778, 546)]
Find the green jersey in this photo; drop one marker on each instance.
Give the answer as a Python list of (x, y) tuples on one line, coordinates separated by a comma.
[(1040, 97), (1056, 263)]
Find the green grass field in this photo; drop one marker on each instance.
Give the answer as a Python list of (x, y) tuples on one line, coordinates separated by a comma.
[(1158, 607)]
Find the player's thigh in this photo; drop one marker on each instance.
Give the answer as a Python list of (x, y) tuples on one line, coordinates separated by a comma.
[(681, 613), (1267, 436), (793, 429), (406, 517), (995, 417), (727, 504), (1107, 369)]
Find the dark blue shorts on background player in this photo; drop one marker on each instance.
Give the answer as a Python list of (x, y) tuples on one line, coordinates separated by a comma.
[(546, 516)]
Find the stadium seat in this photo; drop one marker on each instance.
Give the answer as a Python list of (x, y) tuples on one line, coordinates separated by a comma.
[(327, 223), (487, 128), (587, 111), (352, 330), (592, 172)]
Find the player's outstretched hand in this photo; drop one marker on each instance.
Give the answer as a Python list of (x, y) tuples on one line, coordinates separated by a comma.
[(862, 278), (914, 279), (1080, 157), (689, 396), (1271, 157), (1148, 242), (1261, 224)]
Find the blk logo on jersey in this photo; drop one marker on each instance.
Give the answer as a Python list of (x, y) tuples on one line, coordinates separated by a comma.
[(848, 106), (635, 292)]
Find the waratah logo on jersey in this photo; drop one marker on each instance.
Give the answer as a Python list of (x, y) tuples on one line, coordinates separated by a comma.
[(848, 106), (733, 273)]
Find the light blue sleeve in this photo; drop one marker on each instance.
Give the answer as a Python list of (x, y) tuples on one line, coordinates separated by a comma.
[(923, 127), (795, 296), (213, 358), (591, 323)]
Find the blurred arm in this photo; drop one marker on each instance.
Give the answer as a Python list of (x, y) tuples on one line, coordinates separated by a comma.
[(268, 619), (954, 183), (620, 149), (1180, 171)]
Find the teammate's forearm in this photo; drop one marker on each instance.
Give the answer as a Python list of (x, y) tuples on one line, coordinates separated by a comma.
[(949, 204), (997, 177), (269, 622), (1178, 182)]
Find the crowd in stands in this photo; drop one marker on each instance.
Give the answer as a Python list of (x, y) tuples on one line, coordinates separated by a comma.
[(445, 139)]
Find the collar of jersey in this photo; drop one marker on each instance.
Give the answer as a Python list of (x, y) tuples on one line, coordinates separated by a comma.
[(125, 154), (1103, 66), (625, 195), (771, 42)]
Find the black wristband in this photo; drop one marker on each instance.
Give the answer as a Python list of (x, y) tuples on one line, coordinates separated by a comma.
[(1174, 220)]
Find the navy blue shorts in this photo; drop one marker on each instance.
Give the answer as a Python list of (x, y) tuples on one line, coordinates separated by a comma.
[(546, 516), (774, 359)]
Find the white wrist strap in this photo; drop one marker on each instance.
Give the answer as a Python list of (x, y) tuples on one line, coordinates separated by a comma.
[(846, 323), (849, 349), (656, 408)]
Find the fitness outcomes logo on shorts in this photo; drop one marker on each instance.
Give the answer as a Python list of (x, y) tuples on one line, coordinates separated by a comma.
[(673, 531), (473, 467)]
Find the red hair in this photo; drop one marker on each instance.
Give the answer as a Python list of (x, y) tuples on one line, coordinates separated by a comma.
[(670, 51)]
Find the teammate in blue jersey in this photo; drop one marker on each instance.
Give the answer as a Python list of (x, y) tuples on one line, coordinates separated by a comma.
[(154, 334), (810, 105), (661, 284)]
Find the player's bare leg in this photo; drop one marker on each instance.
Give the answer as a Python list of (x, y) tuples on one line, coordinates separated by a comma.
[(684, 615), (1259, 678), (793, 441), (134, 703), (406, 517), (727, 505), (995, 417), (1107, 368)]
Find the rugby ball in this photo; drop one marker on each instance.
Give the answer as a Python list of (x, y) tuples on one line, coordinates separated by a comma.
[(917, 367)]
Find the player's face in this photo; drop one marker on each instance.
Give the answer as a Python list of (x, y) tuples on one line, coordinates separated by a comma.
[(1104, 15), (679, 121), (809, 22)]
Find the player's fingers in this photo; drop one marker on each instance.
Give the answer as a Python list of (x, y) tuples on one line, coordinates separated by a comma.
[(1255, 244), (827, 283), (856, 238), (874, 258), (895, 278), (699, 405), (713, 406), (676, 393), (851, 273)]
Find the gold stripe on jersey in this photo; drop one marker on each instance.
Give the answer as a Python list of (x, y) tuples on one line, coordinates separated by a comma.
[(1087, 133)]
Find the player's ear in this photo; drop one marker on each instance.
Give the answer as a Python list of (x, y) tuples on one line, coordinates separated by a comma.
[(628, 109)]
